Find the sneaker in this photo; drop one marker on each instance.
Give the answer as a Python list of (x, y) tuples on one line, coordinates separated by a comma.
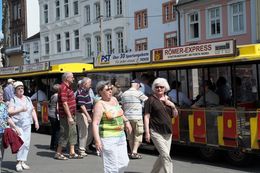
[(19, 167), (25, 166), (83, 154)]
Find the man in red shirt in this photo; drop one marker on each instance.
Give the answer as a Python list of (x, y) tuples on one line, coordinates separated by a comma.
[(67, 110)]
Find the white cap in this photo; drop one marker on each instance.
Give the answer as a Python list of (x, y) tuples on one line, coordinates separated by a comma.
[(10, 80), (18, 83)]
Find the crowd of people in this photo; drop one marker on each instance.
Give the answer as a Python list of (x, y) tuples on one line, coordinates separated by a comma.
[(81, 117)]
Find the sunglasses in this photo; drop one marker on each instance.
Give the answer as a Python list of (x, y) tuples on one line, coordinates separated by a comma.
[(108, 89), (161, 87)]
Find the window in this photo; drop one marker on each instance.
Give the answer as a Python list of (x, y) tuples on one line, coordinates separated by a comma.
[(15, 15), (47, 45), (76, 7), (87, 13), (237, 17), (193, 26), (170, 39), (76, 39), (35, 47), (58, 39), (119, 10), (98, 44), (120, 42), (88, 44), (27, 49), (66, 8), (108, 8), (97, 11), (108, 44), (168, 12), (45, 13), (19, 11), (214, 22), (67, 41), (141, 19), (16, 39), (57, 10), (141, 44)]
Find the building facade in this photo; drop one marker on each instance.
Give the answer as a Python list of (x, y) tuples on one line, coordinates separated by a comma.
[(59, 31), (152, 26), (20, 20), (208, 21), (31, 49)]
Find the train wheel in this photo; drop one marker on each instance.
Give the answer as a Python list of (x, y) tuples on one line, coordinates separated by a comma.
[(238, 158), (208, 153)]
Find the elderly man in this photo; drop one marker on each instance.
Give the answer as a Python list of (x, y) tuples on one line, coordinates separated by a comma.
[(84, 115), (67, 110), (132, 101), (9, 90)]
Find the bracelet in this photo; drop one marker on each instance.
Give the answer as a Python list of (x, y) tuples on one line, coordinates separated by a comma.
[(126, 121)]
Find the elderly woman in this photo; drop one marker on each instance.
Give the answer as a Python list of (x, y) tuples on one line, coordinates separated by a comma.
[(108, 130), (159, 111), (5, 120), (22, 113)]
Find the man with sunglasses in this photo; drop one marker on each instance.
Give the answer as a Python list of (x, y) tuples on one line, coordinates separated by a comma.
[(132, 101)]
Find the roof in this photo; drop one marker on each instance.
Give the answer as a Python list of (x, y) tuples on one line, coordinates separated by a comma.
[(182, 2), (33, 37)]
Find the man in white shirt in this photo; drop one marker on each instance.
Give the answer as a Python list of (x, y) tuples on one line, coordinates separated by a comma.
[(132, 100), (182, 100)]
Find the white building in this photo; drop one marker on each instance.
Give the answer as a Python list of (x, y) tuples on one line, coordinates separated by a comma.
[(31, 51), (78, 30), (109, 33), (59, 30)]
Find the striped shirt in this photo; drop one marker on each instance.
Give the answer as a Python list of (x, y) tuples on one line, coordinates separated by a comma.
[(83, 98), (66, 94), (132, 101)]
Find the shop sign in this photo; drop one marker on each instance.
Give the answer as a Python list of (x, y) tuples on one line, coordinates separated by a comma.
[(9, 70), (43, 66), (206, 50)]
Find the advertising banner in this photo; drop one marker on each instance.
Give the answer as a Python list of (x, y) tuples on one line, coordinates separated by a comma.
[(123, 59)]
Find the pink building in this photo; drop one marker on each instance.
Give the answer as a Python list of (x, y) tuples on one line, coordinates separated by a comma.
[(208, 21)]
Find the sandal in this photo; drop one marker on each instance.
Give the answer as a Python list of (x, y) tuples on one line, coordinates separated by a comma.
[(135, 156), (59, 156), (75, 156)]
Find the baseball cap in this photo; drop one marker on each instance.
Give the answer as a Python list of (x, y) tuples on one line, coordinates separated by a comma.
[(136, 81), (18, 83), (10, 80)]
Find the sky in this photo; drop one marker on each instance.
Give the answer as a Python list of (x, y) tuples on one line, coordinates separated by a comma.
[(1, 34)]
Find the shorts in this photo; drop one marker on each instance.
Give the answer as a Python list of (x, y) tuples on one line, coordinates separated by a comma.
[(137, 131), (68, 133)]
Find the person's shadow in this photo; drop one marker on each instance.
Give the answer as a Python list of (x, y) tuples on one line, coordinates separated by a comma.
[(8, 166), (42, 153)]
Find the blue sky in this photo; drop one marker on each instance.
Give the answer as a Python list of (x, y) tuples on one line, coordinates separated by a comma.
[(1, 35)]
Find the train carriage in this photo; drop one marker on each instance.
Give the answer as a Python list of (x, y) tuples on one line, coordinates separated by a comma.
[(42, 75), (232, 126)]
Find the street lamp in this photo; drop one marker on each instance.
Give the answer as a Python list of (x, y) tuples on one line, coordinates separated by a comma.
[(179, 24)]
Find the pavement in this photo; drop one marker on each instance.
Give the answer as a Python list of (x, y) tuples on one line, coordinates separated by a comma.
[(41, 160)]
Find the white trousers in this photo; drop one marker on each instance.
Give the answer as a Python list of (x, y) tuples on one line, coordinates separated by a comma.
[(26, 137), (162, 142), (115, 157)]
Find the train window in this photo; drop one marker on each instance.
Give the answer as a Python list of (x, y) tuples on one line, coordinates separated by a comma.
[(246, 83), (120, 79)]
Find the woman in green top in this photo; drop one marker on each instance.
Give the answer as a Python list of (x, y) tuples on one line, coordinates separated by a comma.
[(108, 130)]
